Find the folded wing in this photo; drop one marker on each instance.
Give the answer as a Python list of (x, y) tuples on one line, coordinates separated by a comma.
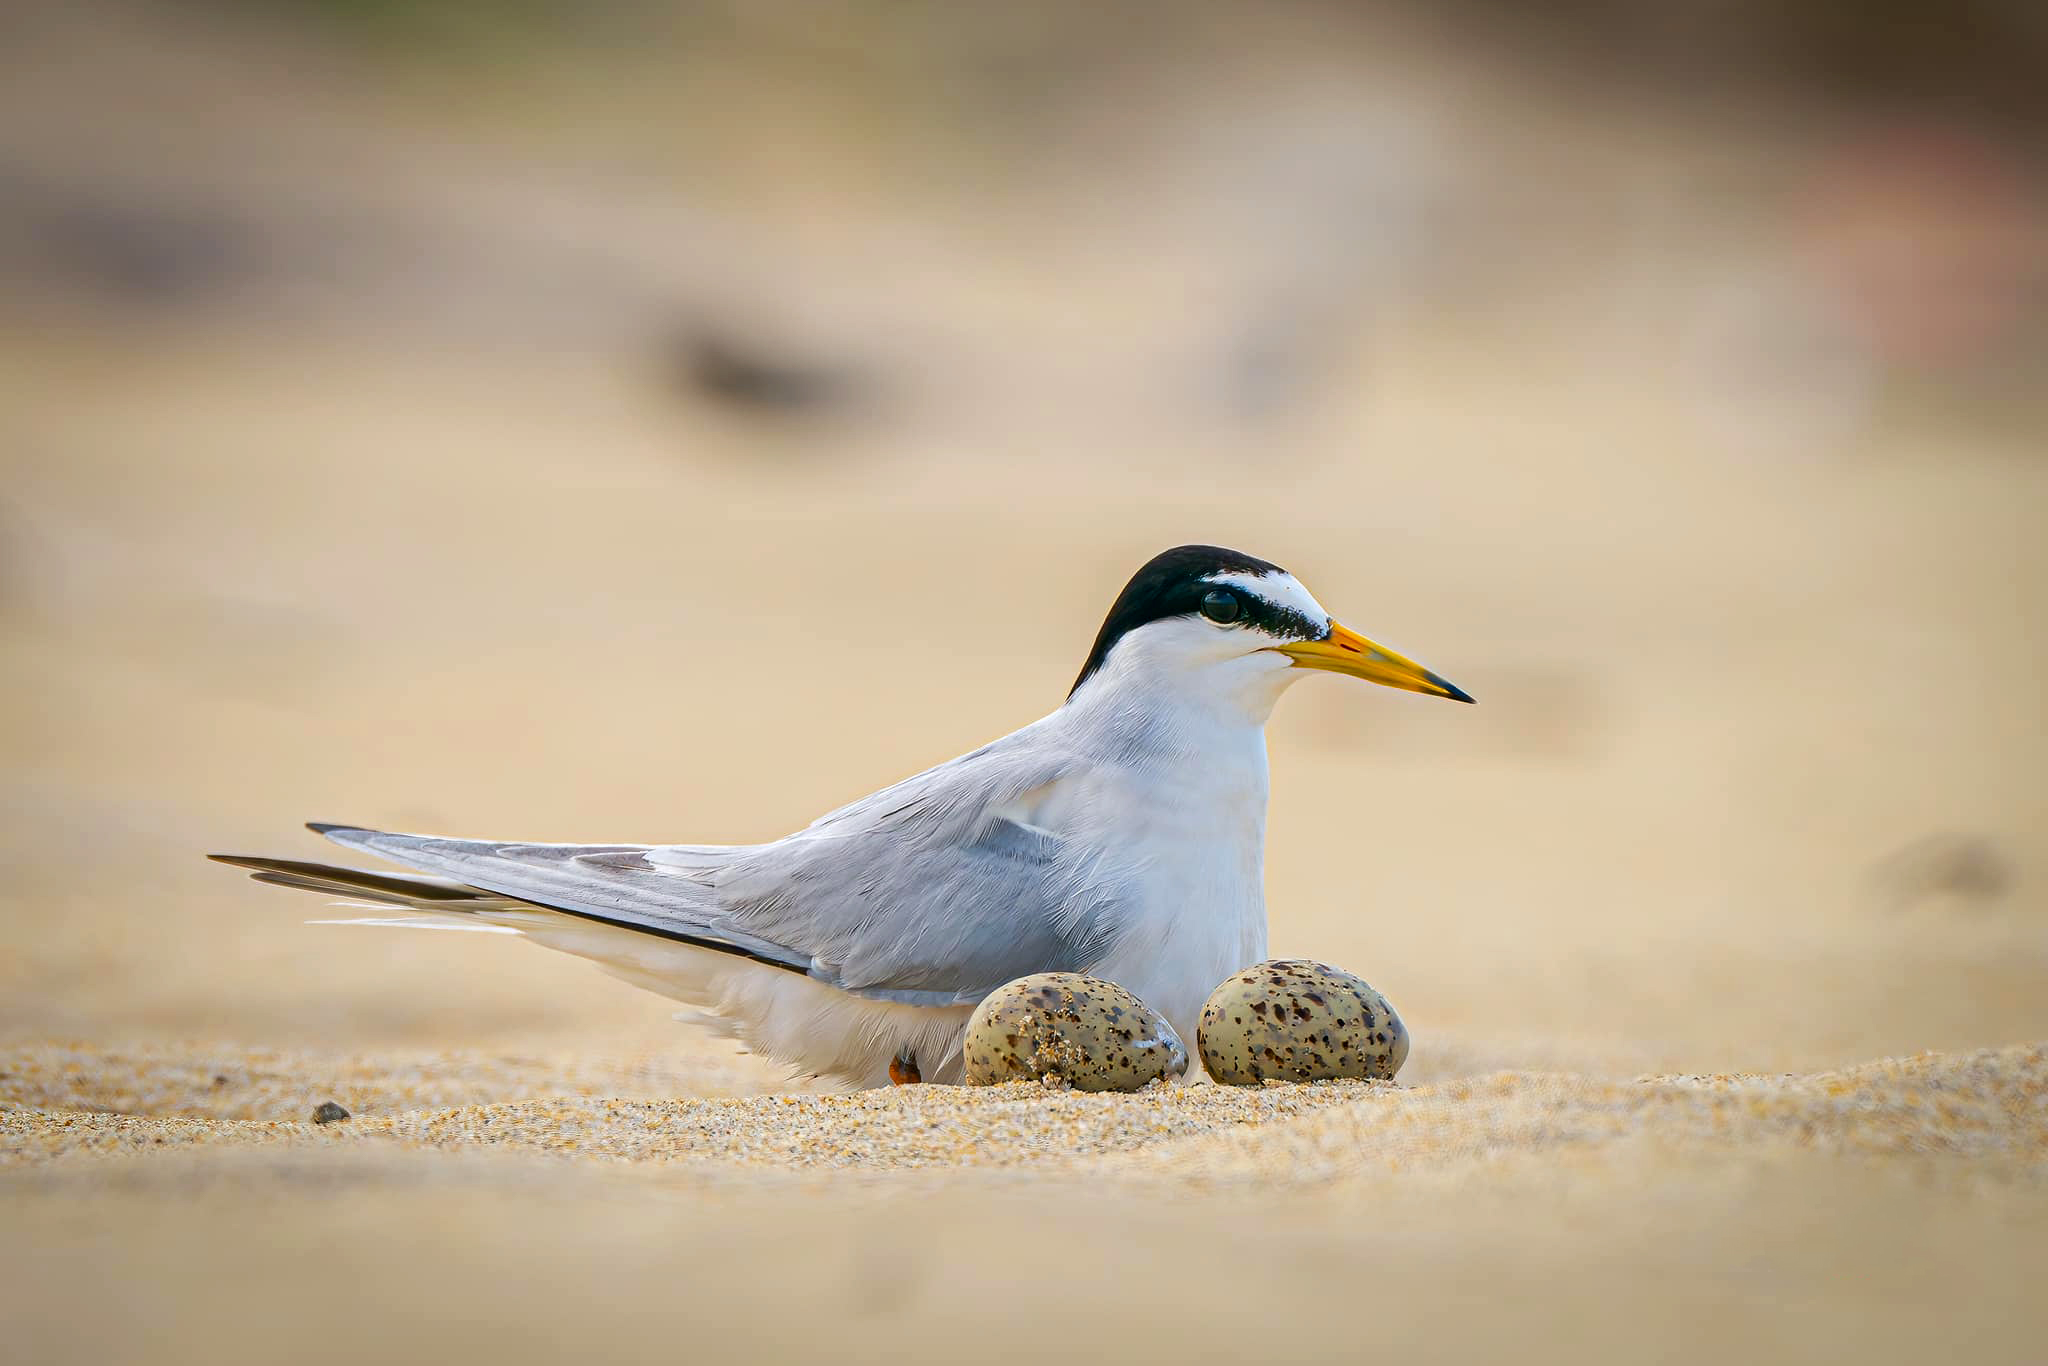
[(927, 893)]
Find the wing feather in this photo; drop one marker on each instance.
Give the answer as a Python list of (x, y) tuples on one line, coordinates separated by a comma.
[(609, 882), (926, 892)]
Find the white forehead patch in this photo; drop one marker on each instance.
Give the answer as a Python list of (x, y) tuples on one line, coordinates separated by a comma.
[(1278, 587)]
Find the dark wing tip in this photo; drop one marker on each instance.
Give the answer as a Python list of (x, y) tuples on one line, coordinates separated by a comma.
[(328, 828)]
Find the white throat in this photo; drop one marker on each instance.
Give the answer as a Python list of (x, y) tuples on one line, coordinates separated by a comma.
[(1176, 680)]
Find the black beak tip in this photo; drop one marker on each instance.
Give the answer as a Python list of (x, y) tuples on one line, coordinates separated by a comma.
[(1453, 691)]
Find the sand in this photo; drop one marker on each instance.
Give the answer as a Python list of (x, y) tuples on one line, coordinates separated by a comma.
[(1989, 1105), (509, 1207)]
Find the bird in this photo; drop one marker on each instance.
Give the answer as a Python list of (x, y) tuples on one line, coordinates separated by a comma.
[(1122, 835)]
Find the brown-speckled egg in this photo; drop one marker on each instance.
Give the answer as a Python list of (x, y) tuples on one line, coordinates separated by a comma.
[(1062, 1027), (1289, 1019)]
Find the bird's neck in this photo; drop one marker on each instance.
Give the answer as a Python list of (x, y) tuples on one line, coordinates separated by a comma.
[(1200, 715)]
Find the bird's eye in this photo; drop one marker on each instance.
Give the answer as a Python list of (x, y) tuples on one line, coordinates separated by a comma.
[(1221, 607)]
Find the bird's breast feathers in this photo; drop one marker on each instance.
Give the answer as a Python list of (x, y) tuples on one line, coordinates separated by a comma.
[(1186, 843)]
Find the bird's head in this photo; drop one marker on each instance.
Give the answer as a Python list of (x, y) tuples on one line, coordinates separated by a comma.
[(1203, 621)]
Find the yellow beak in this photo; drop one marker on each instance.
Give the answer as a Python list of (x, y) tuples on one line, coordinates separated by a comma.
[(1345, 651)]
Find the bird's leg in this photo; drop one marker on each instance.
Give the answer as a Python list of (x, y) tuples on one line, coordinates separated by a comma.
[(903, 1068)]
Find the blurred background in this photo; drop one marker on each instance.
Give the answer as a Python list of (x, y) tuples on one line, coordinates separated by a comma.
[(445, 416)]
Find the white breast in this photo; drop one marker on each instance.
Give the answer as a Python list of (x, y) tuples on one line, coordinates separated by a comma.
[(1202, 912), (1183, 837)]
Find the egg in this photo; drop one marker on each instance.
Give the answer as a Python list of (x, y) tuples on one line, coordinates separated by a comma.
[(1063, 1027), (1290, 1019)]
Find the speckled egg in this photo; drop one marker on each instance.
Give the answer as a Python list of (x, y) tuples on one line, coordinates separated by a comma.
[(1289, 1019), (1062, 1027)]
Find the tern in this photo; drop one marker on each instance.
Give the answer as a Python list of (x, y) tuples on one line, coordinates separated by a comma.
[(1123, 836)]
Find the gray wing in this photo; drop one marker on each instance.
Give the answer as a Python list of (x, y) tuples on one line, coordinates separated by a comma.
[(924, 892)]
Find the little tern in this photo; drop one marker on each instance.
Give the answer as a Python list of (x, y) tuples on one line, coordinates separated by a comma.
[(1121, 836)]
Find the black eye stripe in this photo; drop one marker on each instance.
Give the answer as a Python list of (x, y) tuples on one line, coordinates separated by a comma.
[(1275, 620)]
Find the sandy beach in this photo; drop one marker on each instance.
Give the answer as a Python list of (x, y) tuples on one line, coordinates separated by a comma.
[(668, 434), (1870, 1213)]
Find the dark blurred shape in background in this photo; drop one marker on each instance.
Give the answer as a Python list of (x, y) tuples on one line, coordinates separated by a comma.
[(1946, 871), (719, 366)]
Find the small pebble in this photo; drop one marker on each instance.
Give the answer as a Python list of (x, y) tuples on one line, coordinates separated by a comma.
[(329, 1113)]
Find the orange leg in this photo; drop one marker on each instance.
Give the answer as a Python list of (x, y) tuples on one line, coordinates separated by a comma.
[(903, 1068)]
